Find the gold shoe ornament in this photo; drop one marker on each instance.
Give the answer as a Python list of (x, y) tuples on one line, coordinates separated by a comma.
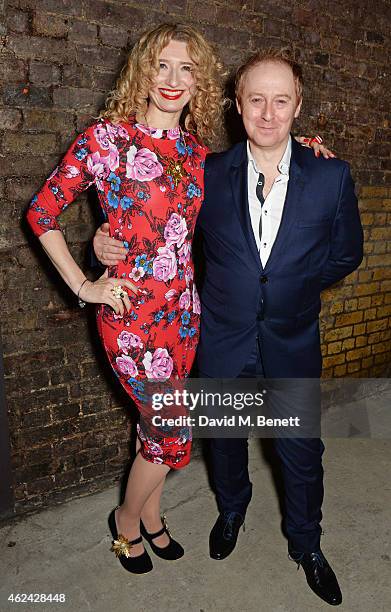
[(121, 546), (164, 521)]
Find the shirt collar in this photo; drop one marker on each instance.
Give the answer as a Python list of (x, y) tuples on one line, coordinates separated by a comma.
[(283, 166)]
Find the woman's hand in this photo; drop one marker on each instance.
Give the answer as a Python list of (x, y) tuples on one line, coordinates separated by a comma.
[(317, 146), (103, 291), (108, 251)]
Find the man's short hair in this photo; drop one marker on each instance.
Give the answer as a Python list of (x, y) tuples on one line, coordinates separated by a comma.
[(281, 56)]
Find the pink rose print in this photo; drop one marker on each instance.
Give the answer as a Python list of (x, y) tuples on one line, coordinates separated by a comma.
[(154, 132), (164, 265), (102, 137), (184, 253), (71, 171), (98, 167), (126, 365), (113, 158), (196, 301), (184, 300), (127, 340), (142, 164), (176, 230), (173, 133), (155, 449), (188, 275), (116, 130), (159, 365), (170, 294)]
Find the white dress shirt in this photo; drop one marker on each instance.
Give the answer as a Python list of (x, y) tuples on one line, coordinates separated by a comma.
[(274, 203)]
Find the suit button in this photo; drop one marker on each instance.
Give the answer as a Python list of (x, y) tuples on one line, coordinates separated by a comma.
[(264, 279)]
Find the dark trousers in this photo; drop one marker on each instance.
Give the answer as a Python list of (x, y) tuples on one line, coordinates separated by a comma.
[(301, 462)]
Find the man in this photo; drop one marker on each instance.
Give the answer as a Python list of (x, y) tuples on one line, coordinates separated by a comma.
[(278, 226)]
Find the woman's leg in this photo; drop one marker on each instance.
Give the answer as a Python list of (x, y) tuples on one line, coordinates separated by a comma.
[(150, 514), (144, 478)]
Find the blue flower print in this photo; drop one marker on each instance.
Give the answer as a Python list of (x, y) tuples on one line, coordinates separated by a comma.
[(159, 315), (126, 202), (180, 274), (193, 190), (171, 316), (141, 261), (190, 150), (138, 388), (192, 331), (141, 195), (54, 189), (138, 385), (113, 199), (81, 154), (185, 318), (180, 146), (115, 181), (183, 332), (82, 141)]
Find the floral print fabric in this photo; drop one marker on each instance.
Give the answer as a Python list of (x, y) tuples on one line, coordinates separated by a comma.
[(154, 213)]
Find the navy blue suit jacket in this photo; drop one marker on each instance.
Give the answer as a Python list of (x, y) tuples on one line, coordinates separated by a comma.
[(319, 242)]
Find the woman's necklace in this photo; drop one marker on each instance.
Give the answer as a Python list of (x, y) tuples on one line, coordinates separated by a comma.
[(174, 167)]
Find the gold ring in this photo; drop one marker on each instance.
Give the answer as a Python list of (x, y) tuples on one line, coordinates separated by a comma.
[(118, 292)]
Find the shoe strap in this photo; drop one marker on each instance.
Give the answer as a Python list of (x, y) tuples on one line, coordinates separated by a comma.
[(164, 529), (152, 536), (136, 541)]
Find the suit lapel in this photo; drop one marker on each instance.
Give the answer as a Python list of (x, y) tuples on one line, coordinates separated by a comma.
[(291, 205), (238, 179)]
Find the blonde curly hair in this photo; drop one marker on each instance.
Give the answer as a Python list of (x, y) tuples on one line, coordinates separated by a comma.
[(203, 116)]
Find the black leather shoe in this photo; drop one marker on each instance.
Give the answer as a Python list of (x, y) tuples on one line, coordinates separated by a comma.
[(121, 547), (222, 539), (172, 551), (320, 577)]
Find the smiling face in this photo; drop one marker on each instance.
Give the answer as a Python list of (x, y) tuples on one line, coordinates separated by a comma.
[(268, 104), (173, 87)]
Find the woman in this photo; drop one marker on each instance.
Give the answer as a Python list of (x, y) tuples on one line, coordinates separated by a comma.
[(148, 173)]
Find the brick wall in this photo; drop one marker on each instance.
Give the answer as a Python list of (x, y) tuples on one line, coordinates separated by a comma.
[(58, 59)]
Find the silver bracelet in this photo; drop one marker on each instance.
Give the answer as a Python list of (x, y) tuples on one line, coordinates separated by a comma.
[(80, 301)]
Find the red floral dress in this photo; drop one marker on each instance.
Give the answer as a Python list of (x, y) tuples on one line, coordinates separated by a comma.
[(153, 211)]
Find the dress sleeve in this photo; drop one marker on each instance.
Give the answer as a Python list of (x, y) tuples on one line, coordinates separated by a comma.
[(74, 174)]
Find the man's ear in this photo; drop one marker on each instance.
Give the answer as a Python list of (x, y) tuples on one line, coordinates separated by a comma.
[(298, 109), (238, 106)]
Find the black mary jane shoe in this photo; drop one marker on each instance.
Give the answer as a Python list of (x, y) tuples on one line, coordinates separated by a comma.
[(121, 547), (172, 551), (320, 577)]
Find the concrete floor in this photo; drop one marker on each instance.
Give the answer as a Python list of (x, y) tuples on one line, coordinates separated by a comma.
[(67, 549)]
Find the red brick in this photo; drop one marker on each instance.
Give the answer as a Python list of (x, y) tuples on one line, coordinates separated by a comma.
[(50, 25), (10, 118), (348, 319)]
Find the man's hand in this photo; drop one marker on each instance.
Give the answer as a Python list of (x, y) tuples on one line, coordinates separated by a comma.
[(316, 145), (108, 251)]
